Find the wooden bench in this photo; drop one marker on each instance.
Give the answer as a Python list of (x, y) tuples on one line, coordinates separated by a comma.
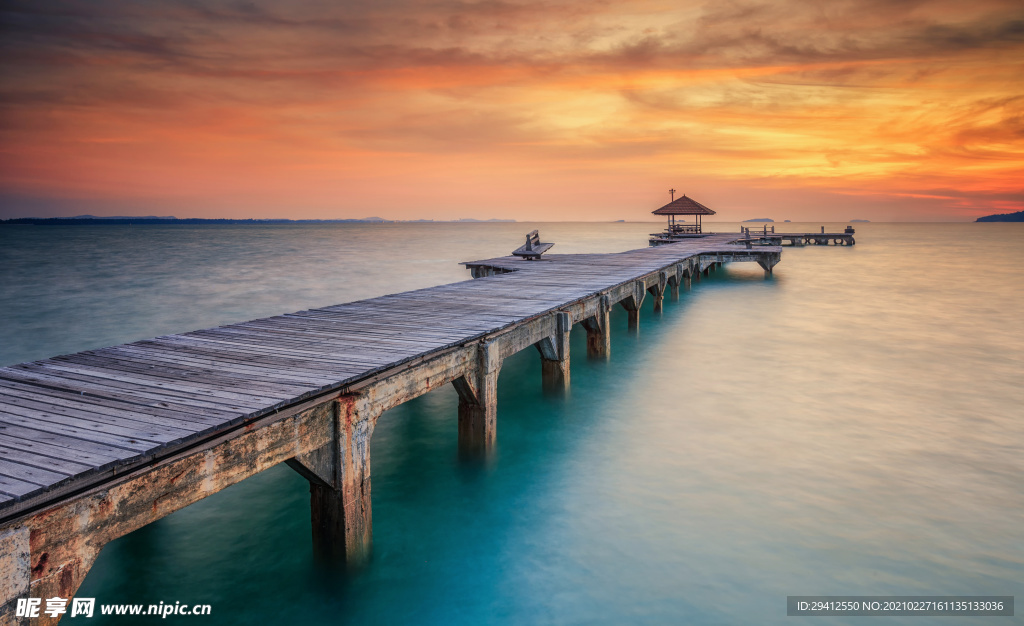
[(533, 248)]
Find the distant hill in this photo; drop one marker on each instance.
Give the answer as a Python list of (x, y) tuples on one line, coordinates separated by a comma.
[(860, 221), (760, 219), (1004, 217), (119, 217)]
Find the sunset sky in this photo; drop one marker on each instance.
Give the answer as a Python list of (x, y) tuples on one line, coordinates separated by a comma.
[(578, 110)]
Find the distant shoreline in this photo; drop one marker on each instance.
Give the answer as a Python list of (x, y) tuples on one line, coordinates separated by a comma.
[(104, 221)]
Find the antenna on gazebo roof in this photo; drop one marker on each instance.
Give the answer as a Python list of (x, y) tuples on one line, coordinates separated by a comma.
[(672, 193)]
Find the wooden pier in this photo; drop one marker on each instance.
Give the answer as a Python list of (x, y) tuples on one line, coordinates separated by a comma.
[(765, 237), (97, 444)]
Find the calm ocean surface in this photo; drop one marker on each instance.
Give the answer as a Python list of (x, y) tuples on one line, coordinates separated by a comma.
[(853, 425)]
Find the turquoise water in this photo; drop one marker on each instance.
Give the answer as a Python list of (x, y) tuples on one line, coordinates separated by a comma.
[(852, 425)]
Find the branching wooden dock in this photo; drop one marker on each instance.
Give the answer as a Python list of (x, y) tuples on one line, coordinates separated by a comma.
[(96, 444), (764, 237)]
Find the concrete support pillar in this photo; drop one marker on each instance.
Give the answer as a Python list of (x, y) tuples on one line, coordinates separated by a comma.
[(42, 561), (554, 354), (478, 401), (768, 261), (658, 291), (339, 485), (599, 335), (675, 278), (633, 302), (15, 571)]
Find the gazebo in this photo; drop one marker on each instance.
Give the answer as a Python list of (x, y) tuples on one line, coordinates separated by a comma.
[(683, 206)]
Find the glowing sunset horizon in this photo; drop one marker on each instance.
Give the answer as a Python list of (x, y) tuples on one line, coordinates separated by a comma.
[(561, 111)]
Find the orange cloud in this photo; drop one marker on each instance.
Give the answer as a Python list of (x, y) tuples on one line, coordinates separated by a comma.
[(564, 110)]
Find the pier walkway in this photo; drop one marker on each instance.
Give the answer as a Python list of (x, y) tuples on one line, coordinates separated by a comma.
[(96, 444)]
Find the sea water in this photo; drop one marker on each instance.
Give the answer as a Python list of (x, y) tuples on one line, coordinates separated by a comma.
[(853, 424)]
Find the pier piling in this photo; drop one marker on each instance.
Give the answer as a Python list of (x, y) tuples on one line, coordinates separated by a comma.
[(658, 291), (554, 354), (339, 484), (599, 335), (478, 402), (633, 302)]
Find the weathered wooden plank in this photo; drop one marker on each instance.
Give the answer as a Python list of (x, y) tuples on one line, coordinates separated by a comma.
[(308, 354), (107, 392), (265, 364), (221, 369), (215, 381), (452, 325), (234, 348), (107, 385), (414, 309), (194, 390), (93, 404), (29, 474), (137, 443), (47, 444), (36, 459), (380, 345), (454, 317), (15, 487), (334, 340), (165, 429), (335, 350), (420, 331)]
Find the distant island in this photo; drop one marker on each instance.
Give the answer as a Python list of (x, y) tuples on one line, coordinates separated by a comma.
[(469, 219), (760, 219), (1004, 217), (119, 217), (150, 219), (860, 220)]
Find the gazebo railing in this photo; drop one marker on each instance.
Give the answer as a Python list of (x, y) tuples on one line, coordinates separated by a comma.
[(681, 229)]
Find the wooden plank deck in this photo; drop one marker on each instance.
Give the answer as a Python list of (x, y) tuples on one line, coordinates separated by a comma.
[(69, 422)]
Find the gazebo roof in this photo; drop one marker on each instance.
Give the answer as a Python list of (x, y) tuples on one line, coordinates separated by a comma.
[(684, 206)]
